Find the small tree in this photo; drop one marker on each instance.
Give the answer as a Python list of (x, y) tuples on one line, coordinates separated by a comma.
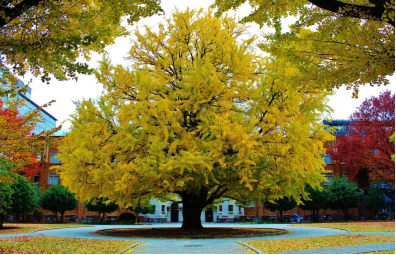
[(318, 200), (343, 195), (281, 205), (375, 199), (143, 207), (6, 192), (99, 205), (58, 199), (26, 198)]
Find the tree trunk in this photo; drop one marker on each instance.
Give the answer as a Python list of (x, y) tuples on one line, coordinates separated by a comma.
[(1, 219), (345, 213), (103, 216), (62, 213), (191, 217), (136, 218), (192, 210), (281, 216)]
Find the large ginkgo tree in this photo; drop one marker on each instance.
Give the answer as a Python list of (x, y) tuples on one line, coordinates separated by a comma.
[(200, 115)]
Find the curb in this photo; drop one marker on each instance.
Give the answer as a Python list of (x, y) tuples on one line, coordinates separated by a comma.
[(281, 232), (250, 247), (38, 230), (130, 247), (347, 230)]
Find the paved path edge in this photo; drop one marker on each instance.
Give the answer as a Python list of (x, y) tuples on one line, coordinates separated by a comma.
[(130, 247), (250, 247)]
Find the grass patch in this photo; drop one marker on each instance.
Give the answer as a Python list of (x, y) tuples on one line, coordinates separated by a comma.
[(381, 252), (281, 245), (60, 245), (381, 226), (17, 228)]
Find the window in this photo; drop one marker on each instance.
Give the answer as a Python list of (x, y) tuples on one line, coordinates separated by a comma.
[(329, 179), (230, 209), (36, 179), (163, 209), (220, 208), (54, 158), (53, 179), (327, 158)]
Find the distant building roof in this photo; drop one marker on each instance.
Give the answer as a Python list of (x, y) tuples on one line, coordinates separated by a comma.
[(36, 105), (341, 125)]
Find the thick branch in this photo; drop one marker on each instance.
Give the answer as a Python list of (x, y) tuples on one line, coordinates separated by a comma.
[(12, 12), (375, 12)]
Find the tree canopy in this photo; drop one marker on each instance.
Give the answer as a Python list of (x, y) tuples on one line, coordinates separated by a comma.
[(348, 43), (47, 37), (58, 198), (375, 199), (197, 116), (317, 201), (343, 195), (26, 197), (6, 192), (281, 205), (367, 145), (100, 206), (19, 143)]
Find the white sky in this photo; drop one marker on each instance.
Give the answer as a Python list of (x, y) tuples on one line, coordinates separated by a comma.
[(87, 87)]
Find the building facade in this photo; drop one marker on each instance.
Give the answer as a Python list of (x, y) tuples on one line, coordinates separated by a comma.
[(228, 210)]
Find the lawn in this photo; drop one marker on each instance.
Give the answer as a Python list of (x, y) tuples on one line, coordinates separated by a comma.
[(282, 245), (60, 245), (377, 226), (17, 228), (381, 252)]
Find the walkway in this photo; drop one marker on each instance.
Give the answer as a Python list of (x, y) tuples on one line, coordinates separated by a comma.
[(202, 246)]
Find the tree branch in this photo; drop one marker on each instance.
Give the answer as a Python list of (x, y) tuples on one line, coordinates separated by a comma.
[(9, 13), (375, 12)]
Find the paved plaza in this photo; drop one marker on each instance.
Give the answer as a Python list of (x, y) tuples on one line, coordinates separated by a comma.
[(213, 246)]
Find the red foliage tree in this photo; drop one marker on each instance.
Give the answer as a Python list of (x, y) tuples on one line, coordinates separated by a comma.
[(17, 139), (366, 145)]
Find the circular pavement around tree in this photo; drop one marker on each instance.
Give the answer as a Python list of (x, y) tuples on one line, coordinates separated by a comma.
[(179, 233)]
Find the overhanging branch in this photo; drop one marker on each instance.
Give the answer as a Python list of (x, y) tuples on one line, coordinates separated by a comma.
[(375, 12)]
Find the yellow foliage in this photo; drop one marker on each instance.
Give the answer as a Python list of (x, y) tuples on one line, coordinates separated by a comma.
[(199, 113)]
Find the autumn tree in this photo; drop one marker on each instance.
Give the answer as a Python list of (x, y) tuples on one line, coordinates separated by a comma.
[(47, 37), (392, 139), (19, 143), (197, 118), (347, 43), (281, 205), (58, 198), (100, 206), (366, 145)]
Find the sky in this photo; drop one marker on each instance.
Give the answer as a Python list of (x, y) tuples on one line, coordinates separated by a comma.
[(65, 92)]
